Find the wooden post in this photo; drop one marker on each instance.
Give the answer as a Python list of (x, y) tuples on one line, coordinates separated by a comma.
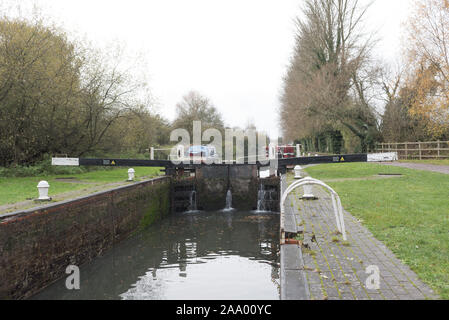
[(420, 152), (438, 149), (406, 151)]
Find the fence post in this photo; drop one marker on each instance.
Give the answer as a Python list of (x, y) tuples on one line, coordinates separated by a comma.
[(406, 151), (420, 152), (439, 149)]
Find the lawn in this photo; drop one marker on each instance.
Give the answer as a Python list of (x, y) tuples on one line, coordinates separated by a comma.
[(409, 214), (17, 189)]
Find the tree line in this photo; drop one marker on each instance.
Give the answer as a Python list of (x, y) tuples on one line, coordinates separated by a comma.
[(334, 88), (60, 96)]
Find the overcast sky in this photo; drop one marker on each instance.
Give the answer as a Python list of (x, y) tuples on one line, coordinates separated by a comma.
[(233, 51)]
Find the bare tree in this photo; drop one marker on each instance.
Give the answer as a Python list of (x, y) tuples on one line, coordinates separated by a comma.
[(428, 54), (195, 107), (329, 77)]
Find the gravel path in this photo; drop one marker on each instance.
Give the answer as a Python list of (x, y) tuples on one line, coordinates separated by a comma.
[(420, 166)]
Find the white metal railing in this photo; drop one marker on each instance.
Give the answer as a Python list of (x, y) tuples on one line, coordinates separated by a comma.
[(336, 202)]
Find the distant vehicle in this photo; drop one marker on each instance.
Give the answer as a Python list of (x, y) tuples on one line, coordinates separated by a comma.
[(284, 152), (202, 153)]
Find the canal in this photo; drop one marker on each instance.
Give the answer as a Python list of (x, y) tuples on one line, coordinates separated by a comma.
[(187, 256)]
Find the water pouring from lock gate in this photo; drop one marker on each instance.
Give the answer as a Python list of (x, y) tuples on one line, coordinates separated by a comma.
[(229, 201)]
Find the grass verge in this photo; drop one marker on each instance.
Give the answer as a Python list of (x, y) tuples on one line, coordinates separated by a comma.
[(17, 189), (409, 214)]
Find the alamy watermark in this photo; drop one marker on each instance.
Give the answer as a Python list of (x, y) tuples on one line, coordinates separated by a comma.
[(373, 280), (258, 149), (73, 280)]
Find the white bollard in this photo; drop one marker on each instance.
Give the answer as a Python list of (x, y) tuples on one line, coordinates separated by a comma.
[(131, 174), (308, 193), (298, 150), (151, 153), (298, 172), (43, 187)]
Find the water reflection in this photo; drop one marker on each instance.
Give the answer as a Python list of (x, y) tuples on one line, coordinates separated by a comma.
[(214, 255)]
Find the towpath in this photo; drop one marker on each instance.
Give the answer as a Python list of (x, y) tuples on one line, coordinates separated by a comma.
[(324, 267)]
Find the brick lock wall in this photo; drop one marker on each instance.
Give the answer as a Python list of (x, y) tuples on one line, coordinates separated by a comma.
[(37, 245)]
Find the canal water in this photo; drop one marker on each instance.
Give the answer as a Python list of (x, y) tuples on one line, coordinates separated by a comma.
[(188, 256)]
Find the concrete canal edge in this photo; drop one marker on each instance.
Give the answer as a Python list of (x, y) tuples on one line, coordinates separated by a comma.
[(37, 245), (293, 278)]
